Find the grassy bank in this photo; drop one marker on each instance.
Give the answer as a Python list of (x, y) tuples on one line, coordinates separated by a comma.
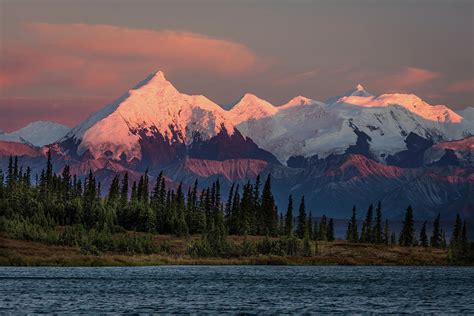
[(28, 253)]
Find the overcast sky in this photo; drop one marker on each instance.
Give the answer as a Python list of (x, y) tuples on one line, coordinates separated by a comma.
[(61, 60)]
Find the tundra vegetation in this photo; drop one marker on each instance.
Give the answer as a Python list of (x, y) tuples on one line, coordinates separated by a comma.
[(73, 223)]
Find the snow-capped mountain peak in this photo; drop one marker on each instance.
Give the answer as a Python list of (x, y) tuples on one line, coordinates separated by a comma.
[(297, 101), (360, 91), (37, 133), (411, 102), (153, 107), (154, 111), (324, 129), (249, 99), (251, 107), (157, 81)]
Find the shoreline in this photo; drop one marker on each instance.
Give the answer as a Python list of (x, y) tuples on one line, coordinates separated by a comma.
[(28, 253)]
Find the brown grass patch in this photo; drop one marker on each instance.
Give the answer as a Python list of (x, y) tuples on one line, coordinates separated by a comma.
[(26, 253)]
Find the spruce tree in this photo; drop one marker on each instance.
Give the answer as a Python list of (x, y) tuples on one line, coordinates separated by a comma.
[(66, 182), (457, 230), (236, 211), (218, 205), (330, 230), (458, 246), (114, 192), (27, 177), (436, 237), (354, 232), (11, 175), (156, 203), (15, 167), (169, 216), (256, 192), (255, 217), (269, 224), (124, 190), (289, 217), (49, 169), (143, 187), (386, 233), (323, 228), (444, 243), (281, 224), (349, 231), (228, 205), (181, 227), (315, 233), (244, 222), (463, 240), (423, 236), (90, 200), (301, 228), (2, 193), (134, 195), (309, 226), (367, 233), (377, 233), (406, 238), (161, 203)]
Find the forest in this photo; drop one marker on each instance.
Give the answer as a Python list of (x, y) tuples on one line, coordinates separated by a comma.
[(63, 209)]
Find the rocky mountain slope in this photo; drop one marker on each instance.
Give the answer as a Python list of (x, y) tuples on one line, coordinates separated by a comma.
[(353, 149), (307, 128)]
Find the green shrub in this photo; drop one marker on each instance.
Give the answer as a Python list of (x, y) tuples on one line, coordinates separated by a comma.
[(28, 229), (293, 245), (165, 247), (201, 248), (248, 248), (307, 250), (265, 246)]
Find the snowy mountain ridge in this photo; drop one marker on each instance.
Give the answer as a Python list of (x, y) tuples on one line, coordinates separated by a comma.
[(155, 109), (37, 133), (153, 106), (250, 107), (304, 127), (355, 149)]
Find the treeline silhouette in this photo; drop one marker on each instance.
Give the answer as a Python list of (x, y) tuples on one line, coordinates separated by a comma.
[(103, 222), (375, 231)]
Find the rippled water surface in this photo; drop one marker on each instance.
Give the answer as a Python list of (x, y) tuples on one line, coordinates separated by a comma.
[(237, 289)]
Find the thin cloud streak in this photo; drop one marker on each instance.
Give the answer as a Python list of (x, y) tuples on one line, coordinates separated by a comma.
[(461, 86), (85, 56), (409, 77)]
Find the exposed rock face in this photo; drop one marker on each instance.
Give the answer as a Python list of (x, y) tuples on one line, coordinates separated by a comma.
[(356, 149), (18, 149)]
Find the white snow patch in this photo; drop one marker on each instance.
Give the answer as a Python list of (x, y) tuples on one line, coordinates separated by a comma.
[(300, 127), (153, 105), (37, 133)]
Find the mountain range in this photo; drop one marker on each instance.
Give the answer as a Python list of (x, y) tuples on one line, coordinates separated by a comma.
[(353, 149), (37, 134)]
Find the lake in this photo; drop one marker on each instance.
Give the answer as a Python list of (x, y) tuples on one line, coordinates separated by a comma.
[(237, 289)]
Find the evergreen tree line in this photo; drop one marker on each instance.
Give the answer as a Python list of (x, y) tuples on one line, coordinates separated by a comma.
[(66, 200), (306, 226), (376, 232)]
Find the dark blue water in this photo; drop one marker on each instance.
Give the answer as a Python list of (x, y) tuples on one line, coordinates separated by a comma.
[(234, 289)]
